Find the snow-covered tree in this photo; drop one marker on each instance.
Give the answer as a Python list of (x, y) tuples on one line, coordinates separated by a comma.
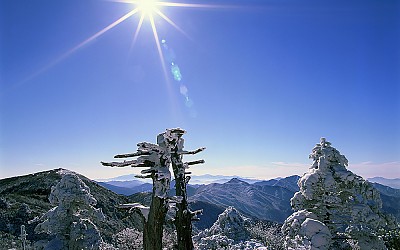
[(334, 206), (228, 232), (71, 220), (268, 233), (128, 239), (172, 140), (157, 159)]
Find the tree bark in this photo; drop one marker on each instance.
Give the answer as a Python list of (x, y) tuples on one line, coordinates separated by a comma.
[(153, 228), (183, 220)]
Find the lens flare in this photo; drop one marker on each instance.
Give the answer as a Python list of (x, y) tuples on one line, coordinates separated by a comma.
[(147, 8)]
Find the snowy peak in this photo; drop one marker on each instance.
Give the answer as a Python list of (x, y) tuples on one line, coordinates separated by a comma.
[(236, 181)]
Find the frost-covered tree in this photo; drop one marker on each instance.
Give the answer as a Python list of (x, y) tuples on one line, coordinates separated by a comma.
[(156, 161), (71, 220), (228, 232), (157, 158), (268, 233), (334, 206), (128, 239), (173, 141)]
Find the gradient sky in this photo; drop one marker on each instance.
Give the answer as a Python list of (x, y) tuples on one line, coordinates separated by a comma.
[(265, 80)]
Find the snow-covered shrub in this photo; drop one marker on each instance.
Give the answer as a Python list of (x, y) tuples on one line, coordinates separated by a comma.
[(71, 220), (304, 230), (11, 242), (24, 212), (269, 234), (169, 238), (231, 224), (4, 204), (129, 238), (334, 198), (228, 232), (391, 237)]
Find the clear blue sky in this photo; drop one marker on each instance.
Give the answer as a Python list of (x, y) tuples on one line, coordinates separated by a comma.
[(266, 79)]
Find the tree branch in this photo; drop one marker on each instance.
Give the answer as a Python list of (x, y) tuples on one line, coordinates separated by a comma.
[(139, 153), (195, 162), (184, 152)]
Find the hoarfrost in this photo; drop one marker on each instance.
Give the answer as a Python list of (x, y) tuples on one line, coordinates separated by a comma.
[(157, 159), (334, 203), (228, 232), (70, 221)]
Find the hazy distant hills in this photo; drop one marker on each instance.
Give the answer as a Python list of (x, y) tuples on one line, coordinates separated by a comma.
[(390, 199), (393, 183), (265, 202), (127, 187), (289, 183), (129, 184)]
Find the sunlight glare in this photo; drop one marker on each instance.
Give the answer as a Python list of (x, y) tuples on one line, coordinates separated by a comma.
[(147, 7)]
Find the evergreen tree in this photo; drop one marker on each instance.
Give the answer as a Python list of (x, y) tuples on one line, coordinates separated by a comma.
[(334, 207), (71, 220)]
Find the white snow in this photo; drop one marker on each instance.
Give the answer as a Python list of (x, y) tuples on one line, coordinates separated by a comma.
[(332, 201)]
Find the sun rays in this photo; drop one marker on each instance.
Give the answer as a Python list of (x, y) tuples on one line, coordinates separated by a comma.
[(147, 9)]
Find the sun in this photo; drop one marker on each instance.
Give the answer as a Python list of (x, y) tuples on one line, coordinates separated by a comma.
[(147, 7)]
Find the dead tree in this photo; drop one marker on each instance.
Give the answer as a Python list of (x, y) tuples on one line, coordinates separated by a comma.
[(157, 162), (173, 141)]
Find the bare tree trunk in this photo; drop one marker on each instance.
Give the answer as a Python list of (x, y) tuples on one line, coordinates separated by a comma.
[(183, 220), (153, 228)]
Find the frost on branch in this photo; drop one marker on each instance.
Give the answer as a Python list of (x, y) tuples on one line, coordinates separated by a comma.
[(139, 208), (332, 197), (156, 161), (172, 140), (71, 220)]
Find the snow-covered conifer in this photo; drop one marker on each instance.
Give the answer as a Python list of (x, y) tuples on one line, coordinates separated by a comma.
[(71, 220), (129, 238), (334, 206)]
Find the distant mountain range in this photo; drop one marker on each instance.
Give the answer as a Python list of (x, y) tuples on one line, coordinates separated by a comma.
[(195, 180), (126, 186), (129, 184), (393, 183), (262, 199)]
